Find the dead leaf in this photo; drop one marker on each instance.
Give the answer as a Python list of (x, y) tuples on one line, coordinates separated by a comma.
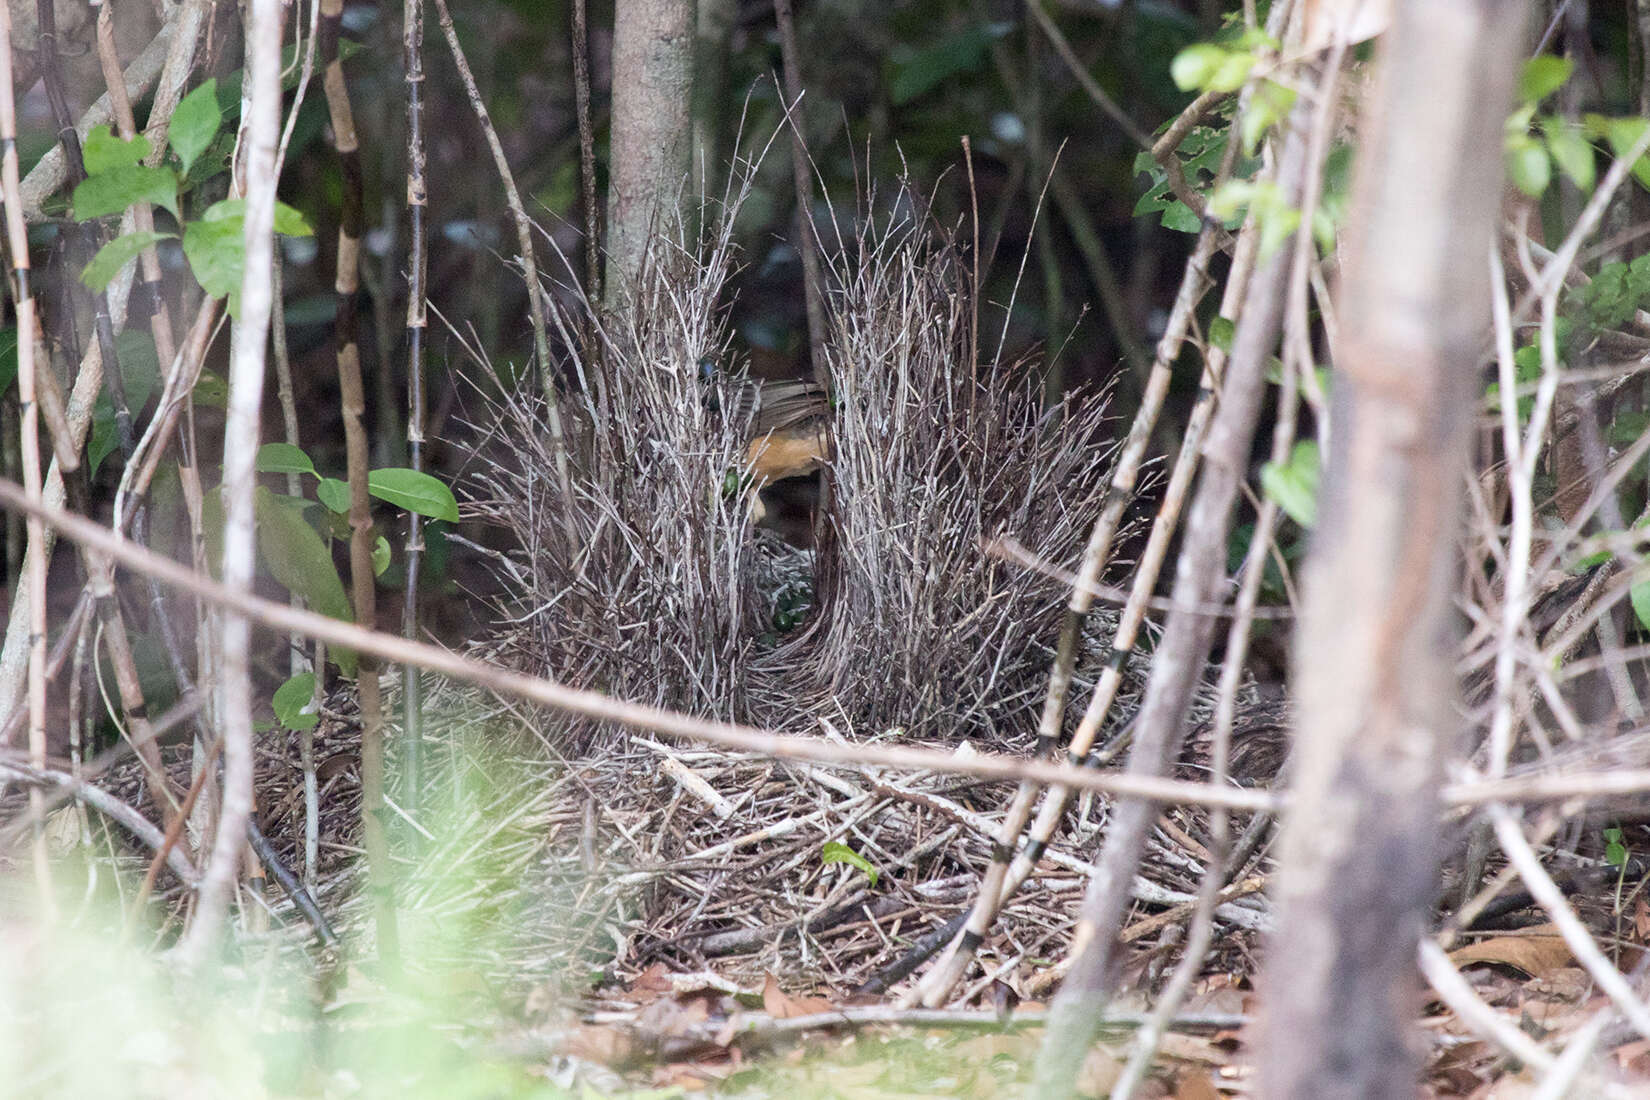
[(1536, 951), (1641, 919), (655, 980), (671, 1017), (782, 1006), (605, 1046), (1196, 1086)]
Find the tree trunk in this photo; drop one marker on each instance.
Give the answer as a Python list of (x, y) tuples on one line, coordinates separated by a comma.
[(651, 130), (1375, 645)]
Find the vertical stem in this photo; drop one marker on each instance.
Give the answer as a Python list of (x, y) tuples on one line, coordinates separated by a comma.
[(241, 426), (412, 43), (353, 402), (29, 418)]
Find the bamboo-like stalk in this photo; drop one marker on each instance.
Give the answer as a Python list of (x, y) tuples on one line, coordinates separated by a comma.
[(29, 414), (262, 119), (353, 405), (412, 50)]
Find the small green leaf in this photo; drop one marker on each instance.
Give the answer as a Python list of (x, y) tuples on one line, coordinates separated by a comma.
[(380, 556), (216, 252), (1615, 851), (1542, 76), (294, 703), (116, 255), (1571, 151), (1639, 597), (837, 852), (1293, 485), (112, 191), (1181, 218), (210, 391), (1195, 66), (299, 559), (8, 358), (1221, 332), (102, 151), (283, 458), (414, 491), (290, 222), (140, 372), (195, 123), (1528, 165), (334, 494), (1622, 134), (1270, 105)]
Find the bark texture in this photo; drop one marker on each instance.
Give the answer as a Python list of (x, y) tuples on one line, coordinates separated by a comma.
[(1375, 646), (652, 132)]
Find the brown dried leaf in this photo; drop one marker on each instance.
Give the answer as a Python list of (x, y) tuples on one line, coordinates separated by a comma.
[(1537, 951), (782, 1006), (605, 1046), (1195, 1086)]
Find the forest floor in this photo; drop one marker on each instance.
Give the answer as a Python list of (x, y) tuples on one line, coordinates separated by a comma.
[(655, 920)]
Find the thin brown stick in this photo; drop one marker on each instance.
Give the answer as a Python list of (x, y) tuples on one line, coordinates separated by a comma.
[(29, 414), (594, 705), (412, 710), (246, 384), (353, 406)]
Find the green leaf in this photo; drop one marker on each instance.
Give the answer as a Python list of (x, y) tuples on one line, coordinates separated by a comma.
[(112, 191), (380, 556), (1528, 165), (294, 703), (1542, 76), (283, 458), (927, 69), (1623, 133), (1639, 597), (298, 558), (334, 494), (1270, 105), (290, 222), (413, 491), (1571, 151), (1221, 332), (210, 391), (140, 371), (1615, 852), (1181, 218), (216, 252), (837, 852), (1195, 66), (1293, 485), (8, 358), (103, 268), (195, 123), (102, 151)]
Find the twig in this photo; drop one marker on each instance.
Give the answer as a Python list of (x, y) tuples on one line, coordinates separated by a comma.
[(246, 383), (594, 705), (35, 562)]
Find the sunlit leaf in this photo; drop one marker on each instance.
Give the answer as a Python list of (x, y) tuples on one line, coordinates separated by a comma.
[(837, 852), (283, 458), (1293, 485), (112, 191), (414, 491), (294, 703), (102, 151)]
